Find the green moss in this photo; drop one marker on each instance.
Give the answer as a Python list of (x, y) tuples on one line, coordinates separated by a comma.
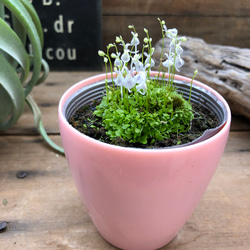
[(145, 118)]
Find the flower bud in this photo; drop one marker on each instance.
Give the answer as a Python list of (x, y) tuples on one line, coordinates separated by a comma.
[(183, 39), (110, 45), (101, 53), (105, 59), (113, 55), (118, 39)]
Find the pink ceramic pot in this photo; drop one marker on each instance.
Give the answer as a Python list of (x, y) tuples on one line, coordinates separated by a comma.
[(139, 199)]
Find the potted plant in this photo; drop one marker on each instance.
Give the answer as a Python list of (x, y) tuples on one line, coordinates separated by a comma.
[(20, 71), (140, 197)]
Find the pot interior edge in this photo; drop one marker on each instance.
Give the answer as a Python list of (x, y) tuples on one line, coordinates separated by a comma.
[(199, 96)]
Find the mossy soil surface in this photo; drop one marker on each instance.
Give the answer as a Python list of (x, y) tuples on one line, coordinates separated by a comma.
[(86, 122)]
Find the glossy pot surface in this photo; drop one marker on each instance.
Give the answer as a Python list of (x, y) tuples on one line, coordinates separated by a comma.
[(140, 198)]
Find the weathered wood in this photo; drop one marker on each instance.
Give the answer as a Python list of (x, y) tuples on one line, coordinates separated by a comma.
[(179, 8), (224, 22), (44, 210), (217, 30), (224, 68)]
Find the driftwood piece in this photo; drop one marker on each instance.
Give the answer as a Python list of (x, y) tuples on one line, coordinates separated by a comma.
[(224, 68)]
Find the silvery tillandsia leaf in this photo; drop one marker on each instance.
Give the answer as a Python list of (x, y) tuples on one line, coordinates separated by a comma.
[(16, 63)]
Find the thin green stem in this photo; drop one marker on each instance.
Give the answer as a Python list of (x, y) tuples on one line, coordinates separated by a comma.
[(191, 84), (39, 125)]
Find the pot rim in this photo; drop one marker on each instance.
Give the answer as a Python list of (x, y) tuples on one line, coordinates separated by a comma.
[(99, 77)]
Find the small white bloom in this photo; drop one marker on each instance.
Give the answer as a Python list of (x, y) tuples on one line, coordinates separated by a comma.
[(138, 66), (135, 41), (119, 81), (165, 28), (118, 62), (140, 79), (125, 56), (172, 33), (136, 58), (178, 49), (178, 63), (129, 82), (172, 45), (149, 63), (169, 62)]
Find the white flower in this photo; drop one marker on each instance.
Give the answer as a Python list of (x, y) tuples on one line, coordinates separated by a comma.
[(119, 81), (172, 45), (117, 61), (136, 58), (169, 62), (139, 66), (172, 33), (125, 56), (178, 63), (150, 63), (129, 82), (165, 28), (140, 79), (135, 41), (136, 61), (178, 49)]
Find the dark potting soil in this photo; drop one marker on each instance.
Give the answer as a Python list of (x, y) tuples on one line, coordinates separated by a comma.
[(87, 123)]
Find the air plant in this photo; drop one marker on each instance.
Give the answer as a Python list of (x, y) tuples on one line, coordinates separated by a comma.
[(20, 71)]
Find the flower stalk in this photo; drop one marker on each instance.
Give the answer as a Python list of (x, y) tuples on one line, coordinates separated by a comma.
[(148, 108)]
